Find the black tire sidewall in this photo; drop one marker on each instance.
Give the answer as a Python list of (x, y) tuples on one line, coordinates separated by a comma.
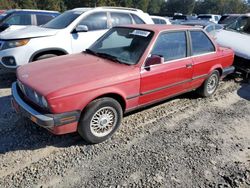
[(89, 111)]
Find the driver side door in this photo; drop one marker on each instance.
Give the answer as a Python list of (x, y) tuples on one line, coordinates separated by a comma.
[(171, 77)]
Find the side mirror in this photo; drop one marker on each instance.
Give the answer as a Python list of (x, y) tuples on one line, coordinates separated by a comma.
[(154, 60), (81, 28)]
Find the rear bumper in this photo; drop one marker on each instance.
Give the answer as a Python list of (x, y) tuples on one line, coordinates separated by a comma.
[(55, 123), (228, 70)]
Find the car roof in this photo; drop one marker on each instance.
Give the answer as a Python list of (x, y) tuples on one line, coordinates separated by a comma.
[(158, 27), (208, 15), (31, 10), (153, 16), (198, 22), (84, 9)]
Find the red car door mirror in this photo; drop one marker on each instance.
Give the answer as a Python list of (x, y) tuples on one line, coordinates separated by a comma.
[(154, 60)]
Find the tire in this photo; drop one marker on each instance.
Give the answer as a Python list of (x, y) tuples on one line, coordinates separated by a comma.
[(45, 56), (100, 114), (210, 85)]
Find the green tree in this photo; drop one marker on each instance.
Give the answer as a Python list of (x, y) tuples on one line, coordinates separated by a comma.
[(125, 3), (221, 6), (141, 4), (70, 4), (26, 4), (7, 4), (106, 3), (154, 6), (51, 5), (180, 6)]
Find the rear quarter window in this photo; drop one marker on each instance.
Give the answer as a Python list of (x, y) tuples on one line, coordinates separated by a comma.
[(120, 18), (43, 19), (137, 19), (201, 44)]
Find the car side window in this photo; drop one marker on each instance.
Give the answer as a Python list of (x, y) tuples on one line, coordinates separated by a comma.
[(43, 19), (163, 22), (120, 18), (156, 20), (19, 19), (201, 44), (217, 27), (171, 46), (137, 19), (209, 28), (95, 21)]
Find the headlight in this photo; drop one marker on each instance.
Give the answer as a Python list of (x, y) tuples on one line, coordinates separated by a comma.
[(37, 98), (14, 43), (44, 102)]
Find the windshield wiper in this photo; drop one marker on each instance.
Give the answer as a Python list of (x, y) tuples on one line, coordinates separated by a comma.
[(89, 51), (110, 57)]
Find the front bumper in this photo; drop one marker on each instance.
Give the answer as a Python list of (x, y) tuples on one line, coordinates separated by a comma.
[(4, 70), (56, 123)]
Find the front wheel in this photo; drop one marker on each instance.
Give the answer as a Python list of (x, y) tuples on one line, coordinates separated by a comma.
[(45, 56), (101, 118), (210, 85)]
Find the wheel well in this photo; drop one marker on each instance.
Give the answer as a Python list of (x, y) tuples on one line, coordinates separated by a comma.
[(117, 97), (220, 71), (56, 52)]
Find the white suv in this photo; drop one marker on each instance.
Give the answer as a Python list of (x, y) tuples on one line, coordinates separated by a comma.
[(209, 17), (71, 32)]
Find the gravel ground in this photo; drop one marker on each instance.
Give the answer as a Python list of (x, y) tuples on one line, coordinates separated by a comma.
[(184, 142)]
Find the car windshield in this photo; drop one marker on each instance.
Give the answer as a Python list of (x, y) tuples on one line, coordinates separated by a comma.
[(205, 17), (228, 20), (179, 17), (63, 20), (4, 16), (122, 45), (241, 25)]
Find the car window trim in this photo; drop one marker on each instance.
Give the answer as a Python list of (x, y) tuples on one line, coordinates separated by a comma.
[(181, 59), (169, 61), (191, 47)]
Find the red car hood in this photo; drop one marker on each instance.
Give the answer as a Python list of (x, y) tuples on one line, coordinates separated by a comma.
[(82, 71)]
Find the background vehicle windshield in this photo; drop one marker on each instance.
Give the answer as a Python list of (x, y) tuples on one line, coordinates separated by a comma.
[(242, 24), (63, 20), (227, 19), (204, 17), (179, 17), (126, 45)]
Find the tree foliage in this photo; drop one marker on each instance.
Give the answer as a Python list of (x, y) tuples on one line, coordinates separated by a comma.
[(221, 6), (161, 7), (179, 6)]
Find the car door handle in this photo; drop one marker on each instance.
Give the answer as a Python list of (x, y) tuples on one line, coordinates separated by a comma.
[(189, 65)]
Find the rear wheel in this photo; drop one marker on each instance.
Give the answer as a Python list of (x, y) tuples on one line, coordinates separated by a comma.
[(210, 85), (101, 118)]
